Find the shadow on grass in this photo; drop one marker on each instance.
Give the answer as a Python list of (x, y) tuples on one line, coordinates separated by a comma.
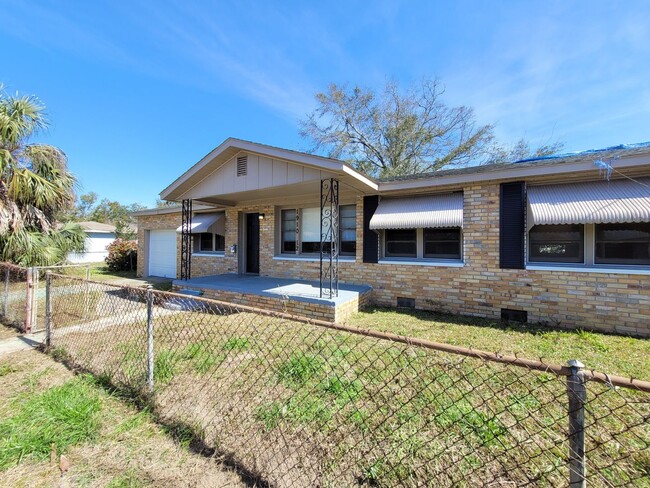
[(185, 435), (448, 318)]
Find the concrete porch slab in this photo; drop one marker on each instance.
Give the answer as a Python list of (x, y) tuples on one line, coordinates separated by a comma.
[(299, 297)]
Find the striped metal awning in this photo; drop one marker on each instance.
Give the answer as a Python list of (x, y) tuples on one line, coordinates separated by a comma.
[(596, 202), (445, 210), (208, 222)]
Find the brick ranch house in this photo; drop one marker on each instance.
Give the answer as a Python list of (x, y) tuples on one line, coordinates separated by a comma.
[(549, 240)]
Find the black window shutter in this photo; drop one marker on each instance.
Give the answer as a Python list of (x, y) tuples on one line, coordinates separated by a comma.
[(512, 225), (370, 238)]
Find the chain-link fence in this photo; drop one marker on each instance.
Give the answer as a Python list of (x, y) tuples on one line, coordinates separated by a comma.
[(13, 295), (300, 403), (23, 293)]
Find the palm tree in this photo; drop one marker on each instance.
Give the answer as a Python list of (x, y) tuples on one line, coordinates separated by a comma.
[(35, 185)]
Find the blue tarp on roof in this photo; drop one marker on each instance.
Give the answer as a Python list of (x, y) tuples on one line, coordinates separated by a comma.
[(588, 151)]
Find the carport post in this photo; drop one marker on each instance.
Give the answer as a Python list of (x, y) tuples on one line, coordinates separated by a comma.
[(150, 339), (48, 309)]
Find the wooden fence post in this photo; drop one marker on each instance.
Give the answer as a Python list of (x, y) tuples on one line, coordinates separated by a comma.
[(48, 309), (577, 393), (150, 358)]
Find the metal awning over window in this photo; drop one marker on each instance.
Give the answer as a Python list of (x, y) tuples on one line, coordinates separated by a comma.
[(432, 211), (589, 203), (208, 222)]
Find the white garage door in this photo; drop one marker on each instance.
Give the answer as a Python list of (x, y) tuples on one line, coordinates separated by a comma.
[(162, 253)]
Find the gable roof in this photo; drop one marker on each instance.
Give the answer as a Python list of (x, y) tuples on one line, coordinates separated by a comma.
[(231, 147)]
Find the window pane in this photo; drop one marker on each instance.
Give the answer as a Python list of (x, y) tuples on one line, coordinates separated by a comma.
[(348, 229), (288, 231), (219, 242), (442, 243), (310, 225), (348, 211), (206, 241), (557, 243), (623, 243), (401, 243), (314, 247)]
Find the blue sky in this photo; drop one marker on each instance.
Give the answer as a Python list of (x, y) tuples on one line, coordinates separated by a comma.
[(138, 91)]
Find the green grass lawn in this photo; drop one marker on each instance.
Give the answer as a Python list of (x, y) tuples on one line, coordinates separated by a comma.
[(106, 441), (610, 354), (99, 271)]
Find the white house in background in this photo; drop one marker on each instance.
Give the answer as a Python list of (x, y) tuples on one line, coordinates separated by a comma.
[(98, 237)]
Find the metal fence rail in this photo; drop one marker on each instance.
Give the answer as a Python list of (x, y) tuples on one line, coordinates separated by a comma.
[(304, 403)]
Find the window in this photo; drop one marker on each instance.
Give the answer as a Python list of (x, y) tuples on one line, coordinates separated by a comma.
[(557, 243), (300, 230), (401, 243), (207, 242), (348, 229), (622, 243), (429, 243), (288, 229), (442, 243)]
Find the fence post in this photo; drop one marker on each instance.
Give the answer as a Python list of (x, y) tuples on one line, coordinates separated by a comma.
[(577, 393), (150, 362), (48, 309), (5, 312), (28, 301)]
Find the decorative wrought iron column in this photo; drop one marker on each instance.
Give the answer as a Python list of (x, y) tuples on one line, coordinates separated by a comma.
[(329, 238), (186, 240)]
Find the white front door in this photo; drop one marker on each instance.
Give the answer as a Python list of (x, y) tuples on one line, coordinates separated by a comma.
[(162, 253)]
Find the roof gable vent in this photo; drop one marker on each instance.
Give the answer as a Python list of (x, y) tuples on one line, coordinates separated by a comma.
[(242, 165)]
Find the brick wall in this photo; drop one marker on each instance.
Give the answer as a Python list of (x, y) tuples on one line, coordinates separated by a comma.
[(599, 301)]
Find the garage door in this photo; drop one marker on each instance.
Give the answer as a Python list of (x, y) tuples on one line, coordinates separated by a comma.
[(162, 253)]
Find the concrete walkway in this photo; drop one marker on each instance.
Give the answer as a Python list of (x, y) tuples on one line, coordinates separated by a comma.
[(21, 343)]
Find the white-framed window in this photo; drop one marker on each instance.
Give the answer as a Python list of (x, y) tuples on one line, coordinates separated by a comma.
[(563, 243), (300, 230), (590, 245), (445, 244), (622, 244), (208, 242)]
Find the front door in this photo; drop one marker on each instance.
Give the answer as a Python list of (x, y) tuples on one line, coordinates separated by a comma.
[(252, 261)]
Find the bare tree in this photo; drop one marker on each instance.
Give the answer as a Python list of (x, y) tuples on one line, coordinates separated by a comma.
[(399, 132)]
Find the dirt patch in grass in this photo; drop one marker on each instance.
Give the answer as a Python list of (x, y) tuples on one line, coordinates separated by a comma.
[(124, 447), (7, 332), (625, 356)]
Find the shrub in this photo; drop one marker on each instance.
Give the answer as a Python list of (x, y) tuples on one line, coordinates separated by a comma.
[(122, 255)]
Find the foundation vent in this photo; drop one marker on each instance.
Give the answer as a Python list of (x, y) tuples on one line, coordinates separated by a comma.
[(405, 302), (242, 165), (510, 315)]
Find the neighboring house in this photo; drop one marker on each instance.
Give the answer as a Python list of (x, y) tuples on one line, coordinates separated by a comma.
[(98, 237), (541, 240)]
